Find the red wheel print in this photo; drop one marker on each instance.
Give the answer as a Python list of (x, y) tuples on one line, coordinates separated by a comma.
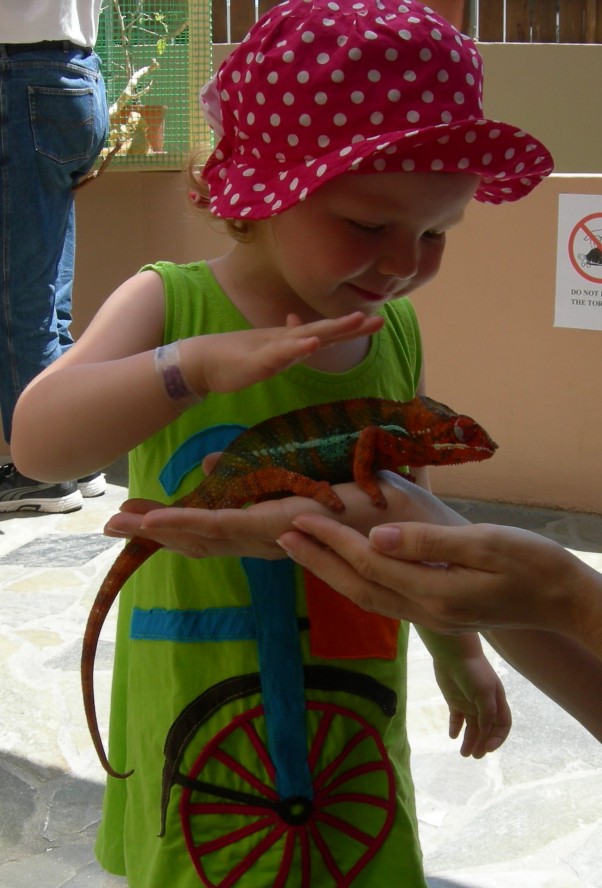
[(239, 832)]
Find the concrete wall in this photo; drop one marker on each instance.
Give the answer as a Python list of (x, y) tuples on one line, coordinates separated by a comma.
[(491, 348), (550, 89)]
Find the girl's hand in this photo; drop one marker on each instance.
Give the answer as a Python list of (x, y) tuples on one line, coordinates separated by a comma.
[(226, 362), (476, 698), (254, 531), (201, 533)]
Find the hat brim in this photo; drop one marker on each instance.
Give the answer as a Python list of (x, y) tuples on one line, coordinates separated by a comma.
[(509, 161)]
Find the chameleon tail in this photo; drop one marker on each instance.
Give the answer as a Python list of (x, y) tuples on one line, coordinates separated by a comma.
[(135, 553)]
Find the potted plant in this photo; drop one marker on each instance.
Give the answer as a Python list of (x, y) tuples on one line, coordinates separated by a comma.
[(139, 34), (156, 55)]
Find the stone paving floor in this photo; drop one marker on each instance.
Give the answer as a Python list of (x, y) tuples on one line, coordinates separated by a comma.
[(527, 817)]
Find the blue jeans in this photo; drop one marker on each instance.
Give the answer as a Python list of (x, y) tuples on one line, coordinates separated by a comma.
[(53, 123)]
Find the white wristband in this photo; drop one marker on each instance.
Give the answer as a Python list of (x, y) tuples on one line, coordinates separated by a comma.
[(177, 388)]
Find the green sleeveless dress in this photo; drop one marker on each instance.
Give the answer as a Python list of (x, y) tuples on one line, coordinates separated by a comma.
[(262, 713)]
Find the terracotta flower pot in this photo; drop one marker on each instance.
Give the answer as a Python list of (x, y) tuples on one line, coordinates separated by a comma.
[(154, 118), (142, 127)]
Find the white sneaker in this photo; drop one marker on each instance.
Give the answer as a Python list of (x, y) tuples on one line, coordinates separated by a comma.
[(21, 494), (92, 485)]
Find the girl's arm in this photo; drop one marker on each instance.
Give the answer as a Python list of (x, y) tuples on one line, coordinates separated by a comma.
[(472, 690), (104, 396)]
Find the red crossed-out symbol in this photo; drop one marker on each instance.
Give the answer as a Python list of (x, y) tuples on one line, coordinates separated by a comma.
[(586, 259)]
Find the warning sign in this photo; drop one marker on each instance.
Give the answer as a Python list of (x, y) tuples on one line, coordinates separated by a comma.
[(587, 236), (579, 262)]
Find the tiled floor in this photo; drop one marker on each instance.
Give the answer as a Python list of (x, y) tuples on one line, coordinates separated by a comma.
[(527, 817)]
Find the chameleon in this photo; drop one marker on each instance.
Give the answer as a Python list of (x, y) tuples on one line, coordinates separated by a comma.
[(302, 452)]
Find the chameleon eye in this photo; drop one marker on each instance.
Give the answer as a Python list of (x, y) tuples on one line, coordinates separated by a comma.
[(459, 431)]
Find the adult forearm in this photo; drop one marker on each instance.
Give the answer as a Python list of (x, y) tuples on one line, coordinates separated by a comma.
[(563, 669), (584, 607)]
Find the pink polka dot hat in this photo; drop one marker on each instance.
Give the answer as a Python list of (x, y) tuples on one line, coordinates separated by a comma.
[(319, 88)]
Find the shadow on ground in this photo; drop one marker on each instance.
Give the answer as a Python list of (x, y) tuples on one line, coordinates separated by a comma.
[(577, 530)]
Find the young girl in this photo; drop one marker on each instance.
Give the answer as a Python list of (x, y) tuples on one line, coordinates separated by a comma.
[(263, 715)]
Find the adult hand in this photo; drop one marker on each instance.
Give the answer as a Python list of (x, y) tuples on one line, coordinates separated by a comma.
[(451, 579)]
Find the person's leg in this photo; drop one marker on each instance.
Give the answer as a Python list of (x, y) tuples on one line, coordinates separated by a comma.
[(53, 117), (64, 285), (53, 120)]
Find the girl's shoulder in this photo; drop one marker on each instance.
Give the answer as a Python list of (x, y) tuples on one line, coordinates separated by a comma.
[(400, 338), (400, 311), (401, 322), (195, 304), (196, 273)]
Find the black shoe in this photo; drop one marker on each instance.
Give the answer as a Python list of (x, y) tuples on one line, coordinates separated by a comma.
[(92, 485), (21, 494)]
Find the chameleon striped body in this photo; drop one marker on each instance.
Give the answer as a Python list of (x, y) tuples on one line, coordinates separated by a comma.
[(303, 452)]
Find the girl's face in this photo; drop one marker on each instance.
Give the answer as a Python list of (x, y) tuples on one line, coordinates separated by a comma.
[(362, 240)]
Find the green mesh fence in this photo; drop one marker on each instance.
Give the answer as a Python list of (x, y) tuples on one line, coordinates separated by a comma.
[(156, 56)]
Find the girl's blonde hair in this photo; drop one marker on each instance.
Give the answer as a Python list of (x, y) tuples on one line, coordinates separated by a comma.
[(240, 229)]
